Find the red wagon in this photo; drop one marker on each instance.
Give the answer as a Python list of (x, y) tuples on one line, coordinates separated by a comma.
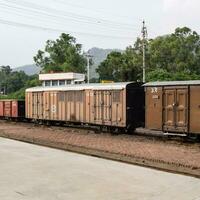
[(1, 108), (12, 108)]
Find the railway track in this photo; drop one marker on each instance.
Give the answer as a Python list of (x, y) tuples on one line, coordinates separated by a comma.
[(155, 152), (141, 132)]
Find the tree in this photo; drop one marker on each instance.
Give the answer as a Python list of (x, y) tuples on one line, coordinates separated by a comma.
[(16, 81), (63, 54), (13, 84), (159, 75), (109, 69), (5, 72), (126, 66), (171, 57), (179, 51)]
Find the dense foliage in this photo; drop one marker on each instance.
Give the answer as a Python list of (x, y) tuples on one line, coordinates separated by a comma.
[(13, 84), (63, 54), (171, 57)]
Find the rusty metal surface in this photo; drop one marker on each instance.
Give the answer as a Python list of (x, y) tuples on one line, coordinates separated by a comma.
[(153, 108), (194, 111), (1, 108), (104, 107), (173, 108), (18, 108), (99, 104), (11, 108), (15, 111), (109, 107), (8, 108)]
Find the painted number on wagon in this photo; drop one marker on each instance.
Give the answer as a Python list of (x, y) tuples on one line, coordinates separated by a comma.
[(154, 90), (53, 108)]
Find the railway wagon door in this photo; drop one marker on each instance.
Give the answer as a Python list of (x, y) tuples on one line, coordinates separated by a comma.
[(118, 109), (89, 108), (37, 98), (70, 107), (175, 109), (51, 105), (106, 107), (102, 107), (79, 111)]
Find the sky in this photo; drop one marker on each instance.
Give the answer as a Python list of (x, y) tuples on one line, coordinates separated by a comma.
[(25, 25)]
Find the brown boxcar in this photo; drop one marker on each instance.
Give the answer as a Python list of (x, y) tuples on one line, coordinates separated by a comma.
[(12, 108), (173, 106), (112, 104)]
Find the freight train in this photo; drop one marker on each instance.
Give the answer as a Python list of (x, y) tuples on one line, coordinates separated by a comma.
[(170, 107)]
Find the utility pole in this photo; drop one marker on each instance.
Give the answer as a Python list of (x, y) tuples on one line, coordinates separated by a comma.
[(88, 56), (144, 37), (88, 69)]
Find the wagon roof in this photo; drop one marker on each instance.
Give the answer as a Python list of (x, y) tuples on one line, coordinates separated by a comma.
[(172, 83), (93, 86)]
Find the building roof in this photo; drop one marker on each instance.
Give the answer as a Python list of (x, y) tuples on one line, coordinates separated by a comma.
[(93, 86), (62, 76), (172, 83)]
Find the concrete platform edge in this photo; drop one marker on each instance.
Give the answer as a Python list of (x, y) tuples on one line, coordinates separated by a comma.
[(154, 164)]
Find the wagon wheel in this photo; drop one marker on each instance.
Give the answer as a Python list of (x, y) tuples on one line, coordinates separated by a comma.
[(194, 137)]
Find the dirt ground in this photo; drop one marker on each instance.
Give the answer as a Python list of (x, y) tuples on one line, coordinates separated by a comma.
[(171, 152)]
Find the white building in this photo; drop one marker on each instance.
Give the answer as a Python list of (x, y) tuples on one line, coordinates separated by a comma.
[(56, 79)]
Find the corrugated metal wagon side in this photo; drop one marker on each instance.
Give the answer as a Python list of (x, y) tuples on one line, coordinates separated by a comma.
[(34, 105), (29, 105), (194, 110), (12, 108), (109, 107), (8, 108), (98, 104)]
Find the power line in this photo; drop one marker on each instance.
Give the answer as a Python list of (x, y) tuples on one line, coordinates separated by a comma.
[(22, 25), (36, 17), (33, 13), (69, 15), (97, 11)]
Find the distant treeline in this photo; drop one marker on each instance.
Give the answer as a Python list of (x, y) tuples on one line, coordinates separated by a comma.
[(13, 84)]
